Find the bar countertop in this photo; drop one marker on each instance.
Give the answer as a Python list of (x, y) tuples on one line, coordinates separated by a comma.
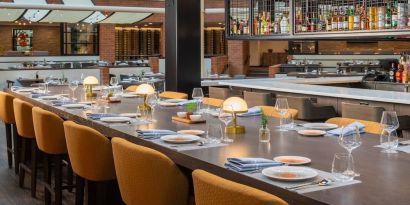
[(315, 86)]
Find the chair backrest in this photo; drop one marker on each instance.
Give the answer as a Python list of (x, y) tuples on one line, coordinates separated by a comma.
[(371, 127), (49, 131), (6, 108), (90, 152), (132, 88), (362, 112), (212, 102), (173, 95), (146, 176), (219, 93), (24, 118), (211, 189), (256, 99), (271, 112)]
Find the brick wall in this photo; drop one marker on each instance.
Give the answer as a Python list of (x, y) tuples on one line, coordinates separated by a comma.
[(238, 57), (154, 64), (218, 63), (45, 38), (107, 42), (104, 76), (374, 47)]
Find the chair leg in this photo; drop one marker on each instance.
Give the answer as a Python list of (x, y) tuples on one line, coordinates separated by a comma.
[(16, 149), (47, 179), (79, 190), (33, 168), (21, 171), (58, 180), (9, 145)]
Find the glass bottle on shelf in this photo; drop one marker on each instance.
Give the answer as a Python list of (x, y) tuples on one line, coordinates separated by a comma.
[(329, 23), (345, 18), (284, 24), (356, 18), (394, 16), (340, 19), (256, 25), (351, 18), (392, 73), (371, 15), (268, 23), (234, 26), (335, 20), (387, 18), (364, 21), (381, 17), (402, 15)]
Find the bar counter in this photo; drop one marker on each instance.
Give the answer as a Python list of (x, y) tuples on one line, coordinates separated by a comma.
[(384, 177)]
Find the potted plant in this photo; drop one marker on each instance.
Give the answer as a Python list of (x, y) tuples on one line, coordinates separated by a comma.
[(264, 132), (190, 108)]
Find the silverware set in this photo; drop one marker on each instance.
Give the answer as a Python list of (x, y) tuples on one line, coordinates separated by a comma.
[(319, 182)]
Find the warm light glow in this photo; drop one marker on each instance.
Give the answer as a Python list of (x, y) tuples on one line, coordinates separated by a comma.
[(90, 80), (145, 89), (237, 104)]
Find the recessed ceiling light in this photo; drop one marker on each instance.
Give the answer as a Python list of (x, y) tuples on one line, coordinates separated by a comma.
[(220, 23), (150, 23)]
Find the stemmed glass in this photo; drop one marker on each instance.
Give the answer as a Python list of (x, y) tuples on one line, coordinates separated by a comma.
[(152, 101), (197, 95), (282, 108), (350, 142), (226, 116), (390, 123), (73, 86), (389, 142), (47, 81), (114, 81)]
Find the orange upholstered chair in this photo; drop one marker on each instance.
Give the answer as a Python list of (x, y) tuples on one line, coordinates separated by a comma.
[(271, 112), (211, 189), (371, 127), (173, 95), (132, 88), (90, 154), (7, 116), (148, 177), (212, 102), (50, 139), (25, 129)]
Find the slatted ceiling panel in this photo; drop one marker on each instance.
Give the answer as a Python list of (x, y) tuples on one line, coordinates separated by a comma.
[(7, 15), (95, 17), (125, 18), (66, 16), (33, 15)]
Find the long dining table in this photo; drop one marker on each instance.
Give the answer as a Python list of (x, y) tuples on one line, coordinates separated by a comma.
[(385, 178)]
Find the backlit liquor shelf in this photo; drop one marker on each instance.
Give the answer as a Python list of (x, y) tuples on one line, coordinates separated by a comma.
[(302, 19)]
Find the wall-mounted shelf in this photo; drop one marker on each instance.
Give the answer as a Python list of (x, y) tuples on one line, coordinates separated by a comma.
[(316, 19)]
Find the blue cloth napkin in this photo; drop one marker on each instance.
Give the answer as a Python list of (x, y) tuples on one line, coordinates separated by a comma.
[(348, 130), (60, 102), (253, 111), (155, 132), (249, 164), (97, 116), (37, 95)]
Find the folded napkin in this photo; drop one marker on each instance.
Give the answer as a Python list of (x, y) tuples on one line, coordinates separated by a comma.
[(348, 130), (249, 164), (37, 95), (153, 133), (60, 102), (253, 111), (97, 116)]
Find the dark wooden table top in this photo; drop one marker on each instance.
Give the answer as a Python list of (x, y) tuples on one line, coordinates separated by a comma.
[(385, 177)]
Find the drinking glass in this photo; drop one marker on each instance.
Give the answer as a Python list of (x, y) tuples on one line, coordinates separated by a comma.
[(350, 142), (197, 95), (282, 108), (226, 116), (341, 165), (47, 81), (73, 86), (389, 141), (389, 123), (114, 81), (214, 133), (152, 101)]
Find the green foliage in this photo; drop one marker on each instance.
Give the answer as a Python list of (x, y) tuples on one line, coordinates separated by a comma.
[(264, 121), (191, 107)]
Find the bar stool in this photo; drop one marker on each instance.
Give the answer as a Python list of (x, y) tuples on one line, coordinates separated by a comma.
[(7, 116), (132, 88), (362, 112), (91, 158), (25, 130), (173, 95), (308, 110), (271, 112), (148, 177), (211, 189), (212, 102), (256, 99), (371, 127), (50, 139), (219, 93)]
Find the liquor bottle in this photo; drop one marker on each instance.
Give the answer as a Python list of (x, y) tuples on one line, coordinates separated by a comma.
[(284, 24), (392, 73), (263, 23), (399, 73), (394, 16), (405, 77), (335, 20), (245, 27), (381, 17), (329, 22), (268, 24), (356, 18), (388, 18), (340, 19), (345, 18), (364, 21), (234, 27), (371, 15), (402, 15), (351, 18), (276, 27)]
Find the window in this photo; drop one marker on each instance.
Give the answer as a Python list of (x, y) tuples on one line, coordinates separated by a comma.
[(80, 39)]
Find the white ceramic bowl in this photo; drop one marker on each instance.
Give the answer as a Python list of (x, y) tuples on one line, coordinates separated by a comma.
[(196, 117), (181, 114)]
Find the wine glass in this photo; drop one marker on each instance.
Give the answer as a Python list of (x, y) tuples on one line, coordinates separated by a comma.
[(197, 95), (48, 80), (389, 142), (73, 86), (282, 108), (226, 116), (350, 141), (389, 123), (152, 101), (114, 81)]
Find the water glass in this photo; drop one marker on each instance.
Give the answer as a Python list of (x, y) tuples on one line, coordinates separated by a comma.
[(341, 165), (282, 108), (389, 121), (226, 116), (114, 81), (214, 133), (197, 95), (152, 101), (73, 86), (288, 122), (389, 141)]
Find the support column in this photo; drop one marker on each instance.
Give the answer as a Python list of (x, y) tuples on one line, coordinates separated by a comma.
[(238, 57), (107, 42), (183, 49)]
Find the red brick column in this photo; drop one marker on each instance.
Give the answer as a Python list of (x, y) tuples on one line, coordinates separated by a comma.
[(107, 42), (238, 57), (154, 64), (218, 64), (162, 39), (104, 76)]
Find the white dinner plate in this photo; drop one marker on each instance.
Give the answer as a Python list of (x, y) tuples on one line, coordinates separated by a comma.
[(175, 100), (130, 115), (320, 126), (115, 119), (73, 106), (167, 104), (52, 97), (312, 133), (191, 132), (129, 95), (180, 139), (293, 160), (87, 102), (289, 173), (26, 90)]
